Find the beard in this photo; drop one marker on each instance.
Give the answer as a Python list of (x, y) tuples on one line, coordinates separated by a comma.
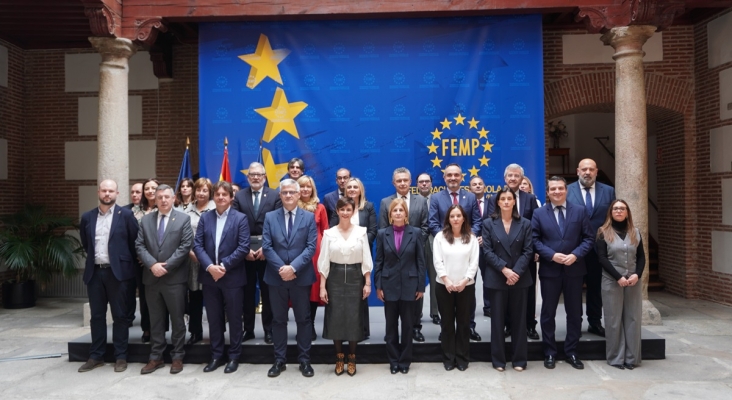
[(107, 202)]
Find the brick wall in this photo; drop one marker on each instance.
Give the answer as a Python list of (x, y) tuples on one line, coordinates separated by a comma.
[(12, 129), (714, 286)]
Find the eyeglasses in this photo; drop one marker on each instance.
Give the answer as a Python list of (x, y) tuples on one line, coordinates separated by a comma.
[(255, 175), (289, 192), (619, 208)]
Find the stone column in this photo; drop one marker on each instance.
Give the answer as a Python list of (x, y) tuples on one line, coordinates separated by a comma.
[(113, 136), (631, 136)]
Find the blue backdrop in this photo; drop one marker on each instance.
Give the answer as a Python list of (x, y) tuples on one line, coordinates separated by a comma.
[(373, 95)]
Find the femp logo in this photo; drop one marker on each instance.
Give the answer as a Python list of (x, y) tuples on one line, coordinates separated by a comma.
[(339, 80), (519, 78), (399, 78), (429, 109), (399, 110), (368, 48), (398, 47), (312, 145), (222, 113), (428, 46), (369, 110), (339, 111), (339, 48), (489, 108), (370, 176), (309, 80), (251, 144), (519, 107), (458, 77), (429, 78), (339, 145), (518, 44), (369, 142), (221, 81), (400, 142)]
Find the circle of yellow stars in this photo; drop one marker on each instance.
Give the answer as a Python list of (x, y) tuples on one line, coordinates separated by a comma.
[(472, 124)]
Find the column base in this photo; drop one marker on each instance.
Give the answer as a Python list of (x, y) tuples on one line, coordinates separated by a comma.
[(651, 315)]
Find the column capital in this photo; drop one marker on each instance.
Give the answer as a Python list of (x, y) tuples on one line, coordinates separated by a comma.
[(113, 48), (603, 17), (628, 40)]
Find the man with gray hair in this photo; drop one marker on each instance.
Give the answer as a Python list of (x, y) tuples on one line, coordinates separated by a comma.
[(417, 210), (163, 244), (255, 202), (526, 203), (288, 242)]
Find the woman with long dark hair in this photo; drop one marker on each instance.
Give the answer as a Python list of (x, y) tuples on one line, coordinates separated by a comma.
[(184, 195), (455, 253), (620, 251)]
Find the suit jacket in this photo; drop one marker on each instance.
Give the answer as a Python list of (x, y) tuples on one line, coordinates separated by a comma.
[(441, 201), (329, 202), (418, 213), (400, 274), (514, 250), (578, 239), (269, 200), (233, 247), (177, 242), (297, 250), (366, 218), (604, 196), (129, 206), (527, 205), (121, 245)]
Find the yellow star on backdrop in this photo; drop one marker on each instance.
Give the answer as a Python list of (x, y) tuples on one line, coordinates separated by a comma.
[(446, 124), (264, 62), (436, 134), (436, 162), (483, 133), (280, 116), (459, 120), (433, 148), (275, 172), (487, 147), (473, 123), (484, 161), (474, 171)]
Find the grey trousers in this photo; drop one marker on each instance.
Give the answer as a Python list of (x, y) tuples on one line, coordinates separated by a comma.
[(623, 314), (173, 298)]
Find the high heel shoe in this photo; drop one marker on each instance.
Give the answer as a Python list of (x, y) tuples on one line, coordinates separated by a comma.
[(339, 367), (351, 364)]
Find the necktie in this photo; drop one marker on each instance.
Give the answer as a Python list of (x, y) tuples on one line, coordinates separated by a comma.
[(256, 203), (454, 198), (161, 229), (289, 224), (560, 219), (406, 202), (588, 202)]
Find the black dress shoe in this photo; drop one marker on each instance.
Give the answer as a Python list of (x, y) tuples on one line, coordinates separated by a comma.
[(276, 369), (436, 319), (575, 362), (145, 337), (232, 366), (268, 337), (404, 370), (449, 367), (195, 338), (439, 337), (597, 330), (507, 332), (248, 335), (629, 366), (462, 367), (313, 335), (618, 366), (213, 365), (487, 313), (532, 334), (394, 369), (306, 369), (549, 362), (474, 336), (417, 335)]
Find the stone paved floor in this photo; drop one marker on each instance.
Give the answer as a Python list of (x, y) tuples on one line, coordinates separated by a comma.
[(698, 366)]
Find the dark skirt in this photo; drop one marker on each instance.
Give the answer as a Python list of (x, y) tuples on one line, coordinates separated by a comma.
[(344, 311)]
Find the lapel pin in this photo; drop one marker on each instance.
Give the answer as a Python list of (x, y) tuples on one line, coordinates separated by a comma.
[(173, 219), (119, 212)]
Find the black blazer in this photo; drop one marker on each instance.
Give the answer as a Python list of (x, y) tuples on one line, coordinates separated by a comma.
[(269, 200), (527, 201), (233, 247), (515, 251), (400, 274), (366, 218), (121, 245)]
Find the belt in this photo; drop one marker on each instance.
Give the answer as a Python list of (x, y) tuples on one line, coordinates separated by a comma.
[(102, 265), (332, 264), (256, 237)]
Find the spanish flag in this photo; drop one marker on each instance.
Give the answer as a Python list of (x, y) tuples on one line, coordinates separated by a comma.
[(225, 174)]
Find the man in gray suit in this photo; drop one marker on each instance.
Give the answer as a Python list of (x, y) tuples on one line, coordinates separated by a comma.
[(163, 243), (424, 187), (417, 210)]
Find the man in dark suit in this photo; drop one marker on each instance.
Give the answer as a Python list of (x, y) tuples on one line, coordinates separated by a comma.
[(108, 235), (441, 201), (295, 169), (221, 243), (288, 242), (417, 211), (135, 195), (477, 187), (163, 243), (255, 202), (596, 198), (526, 203), (330, 199), (424, 187), (562, 236)]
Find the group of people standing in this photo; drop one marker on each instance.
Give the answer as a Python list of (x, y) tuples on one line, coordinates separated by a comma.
[(216, 245)]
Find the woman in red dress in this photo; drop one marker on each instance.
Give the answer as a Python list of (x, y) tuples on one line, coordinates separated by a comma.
[(309, 201)]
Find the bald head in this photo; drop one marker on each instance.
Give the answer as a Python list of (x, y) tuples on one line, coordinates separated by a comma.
[(587, 172), (107, 193)]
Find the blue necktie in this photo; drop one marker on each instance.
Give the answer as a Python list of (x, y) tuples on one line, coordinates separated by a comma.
[(161, 229), (588, 202), (289, 224), (560, 219), (256, 203)]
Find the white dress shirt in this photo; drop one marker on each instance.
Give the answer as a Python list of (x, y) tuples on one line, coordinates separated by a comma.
[(457, 260), (101, 236)]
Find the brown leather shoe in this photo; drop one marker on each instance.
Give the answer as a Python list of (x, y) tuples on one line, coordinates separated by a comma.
[(177, 366), (339, 365), (152, 366), (90, 364), (120, 366)]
